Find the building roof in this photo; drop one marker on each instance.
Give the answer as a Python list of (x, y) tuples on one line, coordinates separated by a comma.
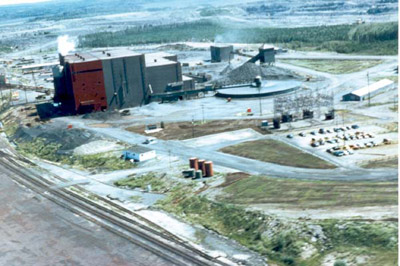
[(159, 59), (99, 55), (28, 67), (373, 87), (220, 45), (139, 149), (186, 78), (267, 47)]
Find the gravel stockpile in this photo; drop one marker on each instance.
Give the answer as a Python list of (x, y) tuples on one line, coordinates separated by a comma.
[(69, 139), (102, 116), (247, 72)]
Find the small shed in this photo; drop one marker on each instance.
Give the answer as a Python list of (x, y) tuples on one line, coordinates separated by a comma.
[(221, 53), (368, 91), (139, 154), (267, 54)]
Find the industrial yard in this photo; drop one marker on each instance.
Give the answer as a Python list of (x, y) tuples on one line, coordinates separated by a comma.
[(205, 150)]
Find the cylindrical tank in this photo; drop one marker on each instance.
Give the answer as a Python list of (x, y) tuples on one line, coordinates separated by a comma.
[(258, 81), (209, 169), (198, 174), (194, 163), (202, 166), (277, 123)]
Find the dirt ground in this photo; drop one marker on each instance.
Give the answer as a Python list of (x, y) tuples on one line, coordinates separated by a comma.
[(384, 163), (273, 151), (187, 130)]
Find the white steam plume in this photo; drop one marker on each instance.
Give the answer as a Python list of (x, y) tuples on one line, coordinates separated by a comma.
[(65, 44)]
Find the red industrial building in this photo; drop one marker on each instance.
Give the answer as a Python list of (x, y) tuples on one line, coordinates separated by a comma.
[(121, 78)]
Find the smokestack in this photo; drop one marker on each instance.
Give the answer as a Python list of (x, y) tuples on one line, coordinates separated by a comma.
[(61, 58)]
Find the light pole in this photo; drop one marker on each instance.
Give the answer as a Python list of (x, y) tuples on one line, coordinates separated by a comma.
[(192, 126), (369, 92), (202, 110), (259, 98)]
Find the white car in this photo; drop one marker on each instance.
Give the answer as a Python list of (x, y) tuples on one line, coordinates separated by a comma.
[(150, 140)]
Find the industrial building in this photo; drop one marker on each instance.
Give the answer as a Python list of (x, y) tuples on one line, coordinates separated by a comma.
[(139, 154), (266, 55), (221, 53), (116, 79), (368, 91)]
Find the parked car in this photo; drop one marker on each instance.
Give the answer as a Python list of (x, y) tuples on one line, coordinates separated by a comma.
[(150, 140), (302, 134), (321, 131), (338, 153), (315, 144), (290, 136), (355, 127), (369, 144), (313, 133)]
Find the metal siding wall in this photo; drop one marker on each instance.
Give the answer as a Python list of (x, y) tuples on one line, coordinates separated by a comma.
[(87, 81), (125, 77), (135, 91), (109, 84), (268, 56), (160, 76)]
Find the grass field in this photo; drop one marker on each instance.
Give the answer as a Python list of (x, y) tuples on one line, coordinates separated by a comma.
[(309, 194), (157, 183), (390, 163), (334, 66), (273, 151), (282, 241)]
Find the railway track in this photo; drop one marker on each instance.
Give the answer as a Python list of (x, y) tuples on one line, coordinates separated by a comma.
[(114, 217)]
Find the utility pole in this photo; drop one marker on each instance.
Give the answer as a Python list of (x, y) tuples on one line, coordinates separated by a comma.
[(192, 126), (369, 92), (202, 110), (259, 98)]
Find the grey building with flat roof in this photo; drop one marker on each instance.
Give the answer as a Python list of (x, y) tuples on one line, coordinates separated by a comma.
[(221, 53)]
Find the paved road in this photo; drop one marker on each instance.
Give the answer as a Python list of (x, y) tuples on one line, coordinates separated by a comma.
[(35, 231), (178, 148)]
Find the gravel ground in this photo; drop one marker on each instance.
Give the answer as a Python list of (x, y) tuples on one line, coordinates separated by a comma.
[(37, 232)]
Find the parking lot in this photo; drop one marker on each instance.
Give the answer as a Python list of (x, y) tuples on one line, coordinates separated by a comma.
[(349, 145)]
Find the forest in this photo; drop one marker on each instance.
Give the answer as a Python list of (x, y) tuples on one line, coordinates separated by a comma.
[(377, 38)]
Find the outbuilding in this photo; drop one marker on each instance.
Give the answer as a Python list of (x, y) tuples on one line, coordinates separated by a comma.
[(139, 154), (221, 53), (368, 91)]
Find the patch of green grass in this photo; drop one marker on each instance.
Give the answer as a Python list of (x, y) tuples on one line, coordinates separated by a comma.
[(309, 194), (281, 242), (158, 183), (361, 234), (334, 66), (277, 152), (395, 79), (49, 151), (390, 163)]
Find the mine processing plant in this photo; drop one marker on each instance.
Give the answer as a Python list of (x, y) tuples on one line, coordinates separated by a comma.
[(108, 80)]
